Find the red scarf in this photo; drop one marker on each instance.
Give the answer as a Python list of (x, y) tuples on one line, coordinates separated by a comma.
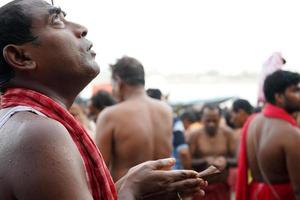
[(99, 179), (242, 186), (276, 112)]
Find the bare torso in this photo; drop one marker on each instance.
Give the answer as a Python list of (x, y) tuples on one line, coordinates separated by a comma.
[(266, 143), (141, 130), (204, 146)]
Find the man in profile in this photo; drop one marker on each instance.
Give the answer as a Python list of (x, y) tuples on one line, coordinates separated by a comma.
[(44, 152), (138, 128), (191, 121), (240, 112), (269, 149)]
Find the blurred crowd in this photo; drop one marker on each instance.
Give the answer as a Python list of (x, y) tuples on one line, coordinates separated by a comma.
[(202, 136)]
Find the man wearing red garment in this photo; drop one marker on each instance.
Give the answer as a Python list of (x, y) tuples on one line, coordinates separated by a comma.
[(269, 150), (45, 61)]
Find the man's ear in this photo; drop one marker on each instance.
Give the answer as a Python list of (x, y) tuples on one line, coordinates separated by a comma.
[(119, 82), (18, 58), (279, 98)]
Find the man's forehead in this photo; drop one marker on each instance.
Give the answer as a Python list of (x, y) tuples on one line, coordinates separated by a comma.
[(37, 6), (211, 111), (294, 86), (39, 11)]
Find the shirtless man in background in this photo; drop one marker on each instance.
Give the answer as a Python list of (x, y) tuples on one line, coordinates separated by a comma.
[(213, 145), (137, 129), (270, 144)]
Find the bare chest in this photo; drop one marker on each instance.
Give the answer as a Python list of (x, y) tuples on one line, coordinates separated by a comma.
[(212, 146)]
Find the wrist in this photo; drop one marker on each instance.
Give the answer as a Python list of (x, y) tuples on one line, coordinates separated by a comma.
[(126, 190), (126, 193)]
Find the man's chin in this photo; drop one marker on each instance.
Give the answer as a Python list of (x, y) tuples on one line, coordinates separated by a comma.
[(94, 70), (211, 132)]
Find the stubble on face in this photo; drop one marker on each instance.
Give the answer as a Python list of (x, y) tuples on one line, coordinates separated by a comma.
[(292, 99)]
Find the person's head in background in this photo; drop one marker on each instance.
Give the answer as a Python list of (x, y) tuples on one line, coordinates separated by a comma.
[(211, 116), (188, 117), (128, 78), (154, 93), (98, 102), (227, 116), (241, 110), (282, 89)]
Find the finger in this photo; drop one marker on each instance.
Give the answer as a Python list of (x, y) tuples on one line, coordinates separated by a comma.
[(177, 175), (187, 184), (166, 163), (186, 188), (191, 192)]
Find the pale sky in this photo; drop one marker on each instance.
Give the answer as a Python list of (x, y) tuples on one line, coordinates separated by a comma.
[(190, 36)]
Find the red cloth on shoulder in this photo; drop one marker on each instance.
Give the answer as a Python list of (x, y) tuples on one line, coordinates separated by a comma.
[(100, 182), (244, 191)]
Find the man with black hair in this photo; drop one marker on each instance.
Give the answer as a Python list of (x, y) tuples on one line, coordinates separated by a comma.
[(44, 152), (138, 128), (269, 149), (213, 145), (98, 102), (190, 120), (241, 110), (154, 93)]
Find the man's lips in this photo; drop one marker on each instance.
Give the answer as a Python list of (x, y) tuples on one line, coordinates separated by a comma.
[(90, 47)]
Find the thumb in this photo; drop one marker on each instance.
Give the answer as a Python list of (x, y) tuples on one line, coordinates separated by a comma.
[(162, 164)]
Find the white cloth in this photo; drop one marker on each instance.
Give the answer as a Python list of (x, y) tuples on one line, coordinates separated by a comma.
[(8, 112)]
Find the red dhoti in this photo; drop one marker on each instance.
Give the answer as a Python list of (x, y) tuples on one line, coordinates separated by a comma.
[(263, 191), (216, 191)]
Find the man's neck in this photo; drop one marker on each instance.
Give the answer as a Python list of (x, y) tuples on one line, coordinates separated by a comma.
[(64, 98), (282, 107), (134, 92)]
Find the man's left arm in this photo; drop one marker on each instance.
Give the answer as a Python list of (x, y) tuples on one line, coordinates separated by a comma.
[(104, 136)]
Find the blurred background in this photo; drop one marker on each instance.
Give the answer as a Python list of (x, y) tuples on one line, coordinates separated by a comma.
[(192, 50)]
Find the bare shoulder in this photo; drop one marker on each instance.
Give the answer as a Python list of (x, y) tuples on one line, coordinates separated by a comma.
[(45, 155), (108, 112), (289, 133), (37, 130), (227, 130), (194, 134), (41, 138), (161, 104)]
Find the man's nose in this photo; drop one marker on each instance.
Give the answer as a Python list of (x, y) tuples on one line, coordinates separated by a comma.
[(211, 124), (80, 31)]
